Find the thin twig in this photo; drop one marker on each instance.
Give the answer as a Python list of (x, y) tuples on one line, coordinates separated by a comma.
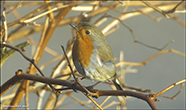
[(93, 101), (40, 98), (18, 5), (174, 97), (150, 58), (105, 100), (181, 88), (111, 104), (62, 99), (55, 104), (83, 103), (134, 36), (162, 11), (170, 87), (49, 11), (28, 59), (50, 100), (51, 15), (27, 96), (5, 28), (150, 16)]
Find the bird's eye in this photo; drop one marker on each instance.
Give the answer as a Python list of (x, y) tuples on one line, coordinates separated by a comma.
[(87, 32)]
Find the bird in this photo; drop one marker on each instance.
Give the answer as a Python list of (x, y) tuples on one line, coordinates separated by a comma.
[(92, 55)]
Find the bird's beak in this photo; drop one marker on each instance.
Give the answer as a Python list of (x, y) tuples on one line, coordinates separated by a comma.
[(74, 26)]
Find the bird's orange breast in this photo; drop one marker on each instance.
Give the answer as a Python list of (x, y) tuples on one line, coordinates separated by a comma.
[(82, 49)]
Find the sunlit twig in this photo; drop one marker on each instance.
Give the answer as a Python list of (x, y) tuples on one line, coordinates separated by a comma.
[(170, 87)]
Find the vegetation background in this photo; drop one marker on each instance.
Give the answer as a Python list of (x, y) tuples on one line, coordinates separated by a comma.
[(152, 28)]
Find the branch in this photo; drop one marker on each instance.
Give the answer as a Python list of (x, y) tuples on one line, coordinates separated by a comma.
[(148, 98), (162, 11), (170, 87), (6, 54), (28, 59)]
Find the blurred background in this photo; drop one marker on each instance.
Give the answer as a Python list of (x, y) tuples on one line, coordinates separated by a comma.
[(156, 75)]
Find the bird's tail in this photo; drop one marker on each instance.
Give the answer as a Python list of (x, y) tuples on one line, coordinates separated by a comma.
[(117, 83)]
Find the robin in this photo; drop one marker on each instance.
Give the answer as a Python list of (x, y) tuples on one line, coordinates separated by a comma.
[(92, 56)]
